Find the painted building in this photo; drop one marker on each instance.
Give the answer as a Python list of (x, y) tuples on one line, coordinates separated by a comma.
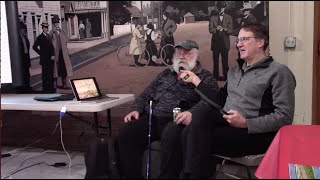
[(97, 14), (188, 18), (32, 13), (70, 19)]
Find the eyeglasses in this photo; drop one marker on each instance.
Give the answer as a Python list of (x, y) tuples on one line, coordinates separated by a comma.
[(243, 39), (184, 53)]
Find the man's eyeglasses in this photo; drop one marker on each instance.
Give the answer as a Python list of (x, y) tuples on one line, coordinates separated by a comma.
[(184, 53), (243, 39)]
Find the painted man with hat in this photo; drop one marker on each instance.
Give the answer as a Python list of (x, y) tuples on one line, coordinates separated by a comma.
[(24, 45), (63, 66), (47, 58), (221, 27), (248, 18)]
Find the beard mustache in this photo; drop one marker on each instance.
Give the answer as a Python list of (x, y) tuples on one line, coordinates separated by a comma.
[(187, 64)]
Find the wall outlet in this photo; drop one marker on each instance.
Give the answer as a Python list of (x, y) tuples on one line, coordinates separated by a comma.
[(290, 42)]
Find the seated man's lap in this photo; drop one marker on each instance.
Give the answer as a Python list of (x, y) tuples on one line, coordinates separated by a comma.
[(230, 141)]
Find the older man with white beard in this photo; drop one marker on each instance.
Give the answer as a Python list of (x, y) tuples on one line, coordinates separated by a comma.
[(168, 91), (185, 57)]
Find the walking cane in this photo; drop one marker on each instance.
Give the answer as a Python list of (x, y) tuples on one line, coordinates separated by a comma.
[(149, 141)]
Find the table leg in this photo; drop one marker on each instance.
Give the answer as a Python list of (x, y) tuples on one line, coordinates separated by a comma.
[(96, 123), (109, 120)]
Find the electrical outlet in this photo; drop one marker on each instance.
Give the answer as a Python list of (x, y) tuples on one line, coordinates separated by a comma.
[(290, 42)]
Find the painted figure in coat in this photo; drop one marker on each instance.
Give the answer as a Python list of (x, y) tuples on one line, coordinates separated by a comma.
[(167, 28), (46, 52), (24, 45), (88, 29), (151, 47), (63, 66), (82, 32), (135, 44), (220, 27)]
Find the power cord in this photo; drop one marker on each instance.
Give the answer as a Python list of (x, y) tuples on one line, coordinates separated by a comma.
[(62, 112), (27, 158), (8, 154)]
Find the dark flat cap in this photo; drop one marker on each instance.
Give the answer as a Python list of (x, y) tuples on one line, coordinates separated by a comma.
[(187, 44)]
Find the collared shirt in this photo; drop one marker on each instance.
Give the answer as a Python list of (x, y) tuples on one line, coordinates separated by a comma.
[(221, 16), (46, 34), (245, 66)]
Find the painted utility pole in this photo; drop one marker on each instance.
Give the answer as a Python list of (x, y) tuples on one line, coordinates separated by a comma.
[(108, 20), (160, 15), (151, 4), (142, 18)]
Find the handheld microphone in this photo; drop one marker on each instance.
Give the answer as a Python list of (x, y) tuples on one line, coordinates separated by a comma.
[(152, 99), (182, 68)]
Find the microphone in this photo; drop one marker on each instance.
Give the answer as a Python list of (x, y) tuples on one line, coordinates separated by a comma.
[(182, 68), (215, 105), (152, 99)]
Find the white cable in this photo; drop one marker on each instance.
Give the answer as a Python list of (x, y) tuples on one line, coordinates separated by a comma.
[(26, 158), (61, 138), (37, 154), (65, 105)]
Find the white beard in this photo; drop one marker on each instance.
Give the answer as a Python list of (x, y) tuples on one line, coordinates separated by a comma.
[(186, 64)]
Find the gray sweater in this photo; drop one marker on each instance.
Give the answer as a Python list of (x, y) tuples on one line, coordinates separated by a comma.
[(168, 92), (264, 94)]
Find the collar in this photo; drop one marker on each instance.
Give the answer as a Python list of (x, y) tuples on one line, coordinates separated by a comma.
[(264, 62)]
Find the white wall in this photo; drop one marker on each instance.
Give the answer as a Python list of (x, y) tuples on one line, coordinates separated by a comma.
[(300, 59)]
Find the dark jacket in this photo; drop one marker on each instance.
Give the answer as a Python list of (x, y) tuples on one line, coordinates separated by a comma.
[(25, 57), (168, 92), (264, 94), (226, 23), (46, 48)]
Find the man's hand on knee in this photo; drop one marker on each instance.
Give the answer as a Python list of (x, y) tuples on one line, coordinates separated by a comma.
[(130, 116)]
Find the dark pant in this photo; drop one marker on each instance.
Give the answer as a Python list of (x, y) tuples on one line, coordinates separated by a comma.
[(225, 67), (62, 71), (168, 51), (25, 88), (211, 134), (171, 151), (133, 141), (47, 77)]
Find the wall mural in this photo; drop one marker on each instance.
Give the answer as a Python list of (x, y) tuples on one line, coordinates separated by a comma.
[(140, 46)]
